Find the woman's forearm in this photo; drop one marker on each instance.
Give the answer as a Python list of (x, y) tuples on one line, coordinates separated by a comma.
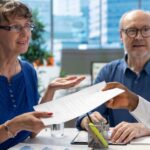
[(8, 130), (49, 94)]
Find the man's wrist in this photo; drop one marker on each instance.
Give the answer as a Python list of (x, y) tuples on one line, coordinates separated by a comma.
[(133, 102), (84, 123)]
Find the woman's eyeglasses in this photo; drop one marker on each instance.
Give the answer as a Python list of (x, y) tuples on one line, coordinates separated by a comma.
[(18, 28)]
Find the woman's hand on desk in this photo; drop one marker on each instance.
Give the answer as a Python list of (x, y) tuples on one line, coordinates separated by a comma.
[(125, 132)]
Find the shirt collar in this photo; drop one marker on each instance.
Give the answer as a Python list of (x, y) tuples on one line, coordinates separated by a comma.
[(147, 67), (126, 67)]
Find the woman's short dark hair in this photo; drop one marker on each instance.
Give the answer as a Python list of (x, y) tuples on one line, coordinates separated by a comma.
[(10, 9)]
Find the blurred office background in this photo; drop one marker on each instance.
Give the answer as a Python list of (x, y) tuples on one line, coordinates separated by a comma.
[(82, 24), (80, 34)]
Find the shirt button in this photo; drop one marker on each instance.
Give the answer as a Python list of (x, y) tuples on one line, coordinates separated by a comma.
[(10, 91), (11, 95), (14, 106), (136, 82), (13, 100)]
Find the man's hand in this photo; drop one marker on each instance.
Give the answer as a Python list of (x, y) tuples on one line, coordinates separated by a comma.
[(95, 117), (127, 100), (125, 132)]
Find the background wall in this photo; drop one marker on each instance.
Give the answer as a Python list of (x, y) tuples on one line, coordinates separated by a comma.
[(79, 61)]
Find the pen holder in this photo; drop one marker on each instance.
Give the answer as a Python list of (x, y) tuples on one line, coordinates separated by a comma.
[(93, 141)]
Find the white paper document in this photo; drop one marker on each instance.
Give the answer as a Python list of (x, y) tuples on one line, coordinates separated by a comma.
[(76, 104), (81, 138), (141, 141)]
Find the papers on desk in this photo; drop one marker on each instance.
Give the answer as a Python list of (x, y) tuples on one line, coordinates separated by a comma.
[(76, 104), (141, 141), (81, 138)]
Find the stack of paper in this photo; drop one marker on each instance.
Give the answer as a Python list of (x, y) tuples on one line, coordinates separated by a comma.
[(76, 104)]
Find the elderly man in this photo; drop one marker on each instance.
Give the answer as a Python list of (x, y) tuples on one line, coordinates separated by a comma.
[(133, 71)]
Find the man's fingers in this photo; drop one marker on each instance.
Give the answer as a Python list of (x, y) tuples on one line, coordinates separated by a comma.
[(125, 134), (109, 103), (97, 117), (129, 138), (112, 85), (109, 85), (101, 118), (117, 129)]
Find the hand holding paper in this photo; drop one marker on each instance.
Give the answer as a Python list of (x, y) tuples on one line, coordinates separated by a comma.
[(76, 104)]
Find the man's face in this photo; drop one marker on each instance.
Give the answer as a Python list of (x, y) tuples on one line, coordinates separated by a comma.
[(137, 46), (15, 42)]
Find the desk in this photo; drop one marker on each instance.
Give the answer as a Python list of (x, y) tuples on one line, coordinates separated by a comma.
[(64, 143)]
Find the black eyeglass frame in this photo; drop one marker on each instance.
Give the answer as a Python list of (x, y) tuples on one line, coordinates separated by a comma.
[(126, 31), (9, 28)]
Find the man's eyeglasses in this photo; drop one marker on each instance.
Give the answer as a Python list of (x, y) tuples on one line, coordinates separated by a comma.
[(133, 32), (18, 28)]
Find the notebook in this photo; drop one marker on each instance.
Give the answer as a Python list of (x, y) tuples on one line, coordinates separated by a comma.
[(82, 139)]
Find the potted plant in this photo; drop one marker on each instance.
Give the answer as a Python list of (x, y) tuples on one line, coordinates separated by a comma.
[(50, 59)]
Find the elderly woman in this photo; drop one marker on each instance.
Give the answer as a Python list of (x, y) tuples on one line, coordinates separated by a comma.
[(18, 80)]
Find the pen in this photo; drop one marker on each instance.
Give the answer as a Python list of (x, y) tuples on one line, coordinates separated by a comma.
[(89, 118)]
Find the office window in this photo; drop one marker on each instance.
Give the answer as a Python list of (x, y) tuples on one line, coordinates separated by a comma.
[(70, 23), (83, 23), (106, 14)]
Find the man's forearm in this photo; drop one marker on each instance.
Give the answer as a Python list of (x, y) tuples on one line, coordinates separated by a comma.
[(142, 111)]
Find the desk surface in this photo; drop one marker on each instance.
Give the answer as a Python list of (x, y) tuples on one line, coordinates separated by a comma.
[(44, 141)]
